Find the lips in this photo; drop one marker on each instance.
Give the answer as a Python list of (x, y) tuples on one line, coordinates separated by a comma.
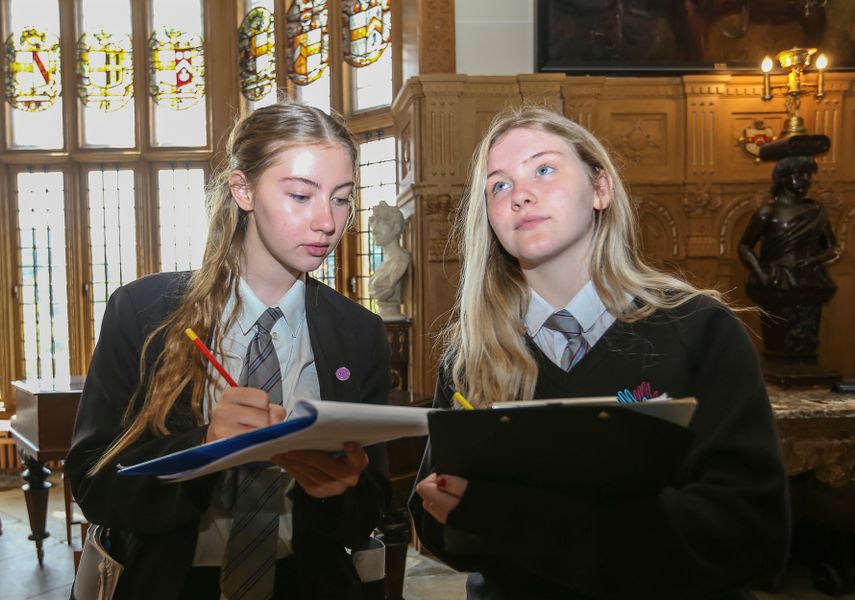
[(317, 250), (529, 222)]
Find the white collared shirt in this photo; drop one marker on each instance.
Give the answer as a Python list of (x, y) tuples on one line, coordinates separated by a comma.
[(299, 381), (585, 306)]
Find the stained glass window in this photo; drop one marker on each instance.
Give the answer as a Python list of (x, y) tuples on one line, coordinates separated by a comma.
[(32, 70), (367, 30), (105, 74), (176, 68), (105, 67), (256, 49), (308, 40), (177, 73)]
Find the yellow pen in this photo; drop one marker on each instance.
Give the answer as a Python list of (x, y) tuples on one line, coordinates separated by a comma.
[(460, 399)]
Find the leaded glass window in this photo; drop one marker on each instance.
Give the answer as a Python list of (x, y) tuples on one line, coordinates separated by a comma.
[(32, 70), (183, 220), (42, 289), (377, 181), (367, 30), (112, 237), (176, 65), (176, 68), (308, 40), (105, 68), (106, 74), (256, 51), (32, 74), (326, 272)]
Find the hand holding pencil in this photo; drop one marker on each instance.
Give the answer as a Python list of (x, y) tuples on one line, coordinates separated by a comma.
[(239, 409)]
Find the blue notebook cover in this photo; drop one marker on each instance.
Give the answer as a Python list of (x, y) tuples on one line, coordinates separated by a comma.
[(199, 456)]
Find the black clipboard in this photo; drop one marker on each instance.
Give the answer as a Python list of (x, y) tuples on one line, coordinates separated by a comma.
[(594, 451)]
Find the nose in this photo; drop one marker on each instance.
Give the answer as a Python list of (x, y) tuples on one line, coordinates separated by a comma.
[(521, 196), (322, 217)]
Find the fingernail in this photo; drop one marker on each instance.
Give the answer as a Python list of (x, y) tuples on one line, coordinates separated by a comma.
[(440, 483)]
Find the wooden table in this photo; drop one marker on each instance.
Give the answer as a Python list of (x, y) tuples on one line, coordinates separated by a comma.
[(817, 430), (44, 419)]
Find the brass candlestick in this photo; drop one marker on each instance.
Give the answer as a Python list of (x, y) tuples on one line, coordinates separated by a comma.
[(795, 61)]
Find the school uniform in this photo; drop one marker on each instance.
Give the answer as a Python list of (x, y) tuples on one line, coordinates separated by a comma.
[(154, 525), (721, 524)]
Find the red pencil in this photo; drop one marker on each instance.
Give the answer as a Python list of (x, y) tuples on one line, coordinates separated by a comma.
[(192, 335)]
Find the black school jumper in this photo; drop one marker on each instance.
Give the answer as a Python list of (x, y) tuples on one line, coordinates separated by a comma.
[(722, 524), (155, 525)]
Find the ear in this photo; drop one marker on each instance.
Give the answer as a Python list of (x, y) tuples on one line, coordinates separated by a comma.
[(602, 191), (240, 189)]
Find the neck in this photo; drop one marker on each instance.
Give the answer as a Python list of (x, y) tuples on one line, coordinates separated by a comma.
[(559, 278), (393, 249), (556, 284), (268, 282)]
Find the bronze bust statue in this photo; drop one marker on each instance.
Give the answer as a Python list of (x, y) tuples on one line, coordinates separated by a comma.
[(788, 278)]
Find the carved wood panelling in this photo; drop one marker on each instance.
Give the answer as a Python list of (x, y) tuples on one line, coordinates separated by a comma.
[(661, 236), (740, 208), (694, 188), (405, 153), (641, 139), (701, 138)]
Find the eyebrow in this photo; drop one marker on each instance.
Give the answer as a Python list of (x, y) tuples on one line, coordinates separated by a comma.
[(315, 184), (530, 158)]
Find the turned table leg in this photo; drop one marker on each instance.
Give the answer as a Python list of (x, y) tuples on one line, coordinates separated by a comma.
[(36, 491)]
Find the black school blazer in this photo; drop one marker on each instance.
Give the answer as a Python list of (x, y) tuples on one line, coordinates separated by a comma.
[(154, 525)]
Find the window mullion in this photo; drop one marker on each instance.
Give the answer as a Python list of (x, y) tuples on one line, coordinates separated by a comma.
[(142, 106), (77, 269), (68, 53), (339, 101), (11, 363)]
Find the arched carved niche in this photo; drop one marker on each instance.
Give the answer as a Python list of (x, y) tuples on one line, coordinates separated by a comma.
[(735, 219), (661, 238)]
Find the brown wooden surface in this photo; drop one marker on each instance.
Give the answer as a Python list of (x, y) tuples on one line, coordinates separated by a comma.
[(44, 416), (675, 141), (42, 427)]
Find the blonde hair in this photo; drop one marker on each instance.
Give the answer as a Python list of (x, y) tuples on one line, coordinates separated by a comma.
[(254, 143), (484, 344)]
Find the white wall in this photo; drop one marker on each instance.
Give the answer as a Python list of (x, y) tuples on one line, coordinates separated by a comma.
[(494, 37)]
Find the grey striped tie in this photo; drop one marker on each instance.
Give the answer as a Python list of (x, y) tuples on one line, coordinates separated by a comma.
[(248, 565), (577, 346)]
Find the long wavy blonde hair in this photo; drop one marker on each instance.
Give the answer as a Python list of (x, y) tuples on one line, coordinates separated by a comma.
[(255, 143), (484, 343)]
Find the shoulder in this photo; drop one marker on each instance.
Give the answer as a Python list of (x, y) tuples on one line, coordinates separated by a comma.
[(321, 297), (703, 324), (158, 284), (155, 294)]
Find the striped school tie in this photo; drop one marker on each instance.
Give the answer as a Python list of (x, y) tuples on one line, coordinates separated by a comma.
[(577, 346), (248, 569)]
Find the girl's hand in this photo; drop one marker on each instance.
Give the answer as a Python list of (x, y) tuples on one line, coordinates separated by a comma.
[(441, 494), (323, 474), (242, 409)]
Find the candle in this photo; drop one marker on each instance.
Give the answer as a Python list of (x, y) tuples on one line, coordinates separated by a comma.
[(766, 66), (821, 64)]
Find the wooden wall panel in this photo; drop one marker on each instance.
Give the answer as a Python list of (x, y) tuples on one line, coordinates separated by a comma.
[(675, 139)]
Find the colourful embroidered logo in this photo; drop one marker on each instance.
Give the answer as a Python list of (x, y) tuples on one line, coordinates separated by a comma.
[(641, 393)]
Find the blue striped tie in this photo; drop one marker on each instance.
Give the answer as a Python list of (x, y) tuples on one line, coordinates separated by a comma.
[(577, 346), (248, 565)]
